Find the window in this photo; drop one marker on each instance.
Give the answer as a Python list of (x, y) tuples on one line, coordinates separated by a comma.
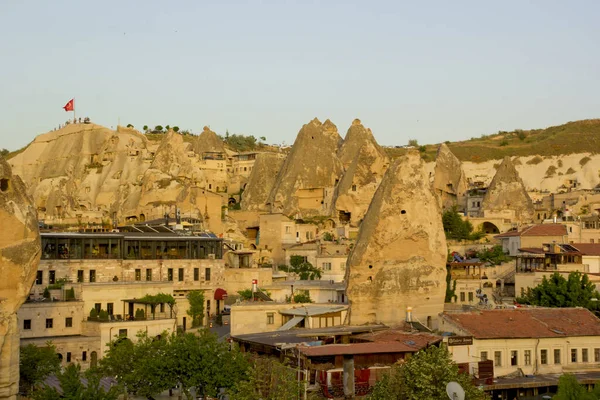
[(596, 355), (92, 275), (68, 356), (138, 274), (288, 229), (68, 322), (543, 357), (484, 356), (527, 357), (327, 266), (270, 318), (49, 323), (162, 307), (79, 275), (170, 274), (109, 308), (84, 356), (207, 274), (354, 188), (26, 324), (39, 277), (470, 296), (573, 355), (556, 356), (123, 332), (462, 296), (51, 277), (148, 274), (584, 355), (196, 274), (514, 357), (98, 307), (180, 277), (498, 358)]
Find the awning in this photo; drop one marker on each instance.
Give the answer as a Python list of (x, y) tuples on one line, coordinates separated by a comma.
[(220, 294), (290, 324)]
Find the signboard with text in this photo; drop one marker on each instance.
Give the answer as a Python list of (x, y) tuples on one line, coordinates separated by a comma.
[(460, 340)]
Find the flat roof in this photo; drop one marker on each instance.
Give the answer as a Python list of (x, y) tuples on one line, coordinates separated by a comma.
[(360, 348), (310, 310), (132, 236)]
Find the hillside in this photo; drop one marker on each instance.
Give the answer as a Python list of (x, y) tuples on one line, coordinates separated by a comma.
[(570, 138)]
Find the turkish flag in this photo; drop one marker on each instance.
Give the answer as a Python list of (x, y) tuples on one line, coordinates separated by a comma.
[(70, 106)]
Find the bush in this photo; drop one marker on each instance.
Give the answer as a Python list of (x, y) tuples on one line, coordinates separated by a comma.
[(560, 163), (584, 161), (457, 228), (47, 293), (139, 314), (145, 128), (422, 149), (413, 142), (535, 160), (504, 142), (328, 237), (93, 313), (103, 315), (70, 294), (520, 134)]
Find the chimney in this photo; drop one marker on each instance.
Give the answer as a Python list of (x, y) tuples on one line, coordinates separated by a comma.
[(408, 314)]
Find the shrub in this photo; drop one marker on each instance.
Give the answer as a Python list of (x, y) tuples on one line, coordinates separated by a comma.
[(129, 126), (520, 134), (70, 294), (535, 160), (93, 313), (139, 314), (175, 129), (145, 128), (158, 128), (551, 171), (103, 315), (328, 237), (413, 142), (504, 142), (584, 161), (422, 149), (47, 293)]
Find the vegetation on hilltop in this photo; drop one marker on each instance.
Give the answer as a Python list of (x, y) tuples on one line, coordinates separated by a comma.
[(572, 137)]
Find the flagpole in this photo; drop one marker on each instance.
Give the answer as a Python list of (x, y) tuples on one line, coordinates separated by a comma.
[(74, 118)]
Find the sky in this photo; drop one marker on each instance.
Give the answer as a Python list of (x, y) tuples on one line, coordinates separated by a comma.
[(430, 70)]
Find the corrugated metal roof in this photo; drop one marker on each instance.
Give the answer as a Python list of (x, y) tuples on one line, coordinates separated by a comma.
[(360, 348), (310, 310), (290, 324)]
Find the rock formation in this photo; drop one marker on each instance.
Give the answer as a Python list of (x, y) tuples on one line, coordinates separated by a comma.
[(507, 193), (19, 256), (399, 259), (306, 181), (449, 182), (208, 142), (261, 181), (365, 162)]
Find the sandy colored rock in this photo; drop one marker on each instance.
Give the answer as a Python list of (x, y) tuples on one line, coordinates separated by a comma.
[(400, 254), (449, 181), (19, 257), (261, 181), (306, 181), (208, 142), (507, 193), (365, 162)]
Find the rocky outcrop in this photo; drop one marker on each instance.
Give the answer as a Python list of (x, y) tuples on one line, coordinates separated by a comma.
[(19, 256), (208, 142), (507, 193), (365, 162), (449, 181), (261, 181), (306, 181), (400, 254)]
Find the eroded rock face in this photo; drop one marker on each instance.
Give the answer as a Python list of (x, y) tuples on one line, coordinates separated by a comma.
[(306, 181), (399, 259), (449, 182), (261, 181), (208, 142), (19, 257), (507, 193), (365, 162)]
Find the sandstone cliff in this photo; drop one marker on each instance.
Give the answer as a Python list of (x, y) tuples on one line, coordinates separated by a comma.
[(19, 256), (208, 142), (507, 194), (400, 254), (306, 181), (365, 162), (449, 182), (261, 181)]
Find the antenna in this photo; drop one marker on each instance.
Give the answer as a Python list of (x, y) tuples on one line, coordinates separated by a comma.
[(455, 391)]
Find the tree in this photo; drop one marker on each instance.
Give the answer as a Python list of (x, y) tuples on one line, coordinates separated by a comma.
[(175, 129), (158, 128), (494, 255), (302, 268), (129, 126), (167, 128), (4, 152), (301, 296), (413, 142), (246, 294), (263, 138), (37, 363), (424, 376), (196, 308), (72, 387), (457, 228), (556, 291), (145, 128), (268, 379), (570, 389), (119, 362)]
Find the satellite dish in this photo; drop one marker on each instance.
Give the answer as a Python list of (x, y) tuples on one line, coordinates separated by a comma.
[(455, 391)]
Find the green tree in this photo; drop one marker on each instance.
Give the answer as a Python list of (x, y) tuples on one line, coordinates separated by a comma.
[(246, 294), (175, 129), (167, 128), (424, 376), (301, 296), (457, 228), (158, 128), (129, 126), (268, 379), (4, 152), (413, 142), (263, 138), (570, 389), (37, 363), (494, 255), (450, 287), (145, 128), (119, 362), (302, 268), (196, 307), (556, 291), (73, 388)]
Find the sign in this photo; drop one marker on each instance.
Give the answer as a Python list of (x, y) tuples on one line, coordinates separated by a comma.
[(460, 340), (255, 281)]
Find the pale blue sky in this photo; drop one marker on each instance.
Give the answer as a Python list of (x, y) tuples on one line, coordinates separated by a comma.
[(431, 70)]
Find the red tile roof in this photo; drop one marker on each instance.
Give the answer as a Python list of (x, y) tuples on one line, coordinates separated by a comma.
[(537, 230), (527, 323), (534, 250), (588, 249), (508, 234), (420, 339)]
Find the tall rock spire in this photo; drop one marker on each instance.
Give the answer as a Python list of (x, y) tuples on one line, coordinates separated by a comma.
[(400, 254), (449, 181)]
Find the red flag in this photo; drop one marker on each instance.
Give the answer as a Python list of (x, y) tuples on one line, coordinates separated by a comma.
[(70, 106)]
